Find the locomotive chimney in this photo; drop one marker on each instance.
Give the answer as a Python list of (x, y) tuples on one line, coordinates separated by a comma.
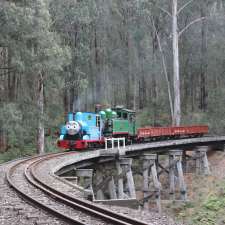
[(98, 108)]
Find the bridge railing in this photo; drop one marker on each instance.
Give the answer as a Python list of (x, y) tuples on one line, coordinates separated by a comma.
[(114, 141)]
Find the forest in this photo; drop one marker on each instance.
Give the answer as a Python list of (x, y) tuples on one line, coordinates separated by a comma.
[(164, 59)]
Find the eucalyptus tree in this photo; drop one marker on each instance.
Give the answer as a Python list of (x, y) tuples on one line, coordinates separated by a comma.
[(48, 57), (74, 21), (176, 33), (36, 56)]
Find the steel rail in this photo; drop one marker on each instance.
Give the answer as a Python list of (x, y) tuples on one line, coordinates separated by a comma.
[(29, 157), (33, 200), (120, 220), (84, 205), (77, 203)]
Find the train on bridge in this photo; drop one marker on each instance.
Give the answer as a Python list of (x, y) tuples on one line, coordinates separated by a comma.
[(85, 130)]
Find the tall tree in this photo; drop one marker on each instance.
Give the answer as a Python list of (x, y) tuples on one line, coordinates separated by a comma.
[(176, 66), (47, 57), (176, 61), (203, 71)]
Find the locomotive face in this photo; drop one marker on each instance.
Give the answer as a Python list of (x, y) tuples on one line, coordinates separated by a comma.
[(72, 127)]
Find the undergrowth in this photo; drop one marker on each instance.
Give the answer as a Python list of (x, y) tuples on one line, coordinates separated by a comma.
[(28, 150), (207, 210), (211, 212)]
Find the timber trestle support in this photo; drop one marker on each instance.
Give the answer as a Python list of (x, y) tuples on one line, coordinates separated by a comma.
[(150, 172), (160, 176), (175, 167), (202, 164)]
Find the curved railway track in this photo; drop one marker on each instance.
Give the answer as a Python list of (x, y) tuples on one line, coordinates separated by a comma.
[(23, 179), (26, 177)]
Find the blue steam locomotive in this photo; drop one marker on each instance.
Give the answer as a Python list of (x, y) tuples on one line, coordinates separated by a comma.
[(82, 130)]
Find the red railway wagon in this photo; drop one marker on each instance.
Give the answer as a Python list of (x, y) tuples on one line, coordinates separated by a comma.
[(167, 132)]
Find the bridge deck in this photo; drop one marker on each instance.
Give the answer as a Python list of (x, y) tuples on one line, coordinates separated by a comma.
[(162, 146)]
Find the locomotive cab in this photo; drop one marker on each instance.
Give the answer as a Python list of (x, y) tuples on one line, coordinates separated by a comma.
[(121, 125)]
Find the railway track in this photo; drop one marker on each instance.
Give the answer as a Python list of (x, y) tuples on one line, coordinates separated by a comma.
[(23, 179), (32, 178)]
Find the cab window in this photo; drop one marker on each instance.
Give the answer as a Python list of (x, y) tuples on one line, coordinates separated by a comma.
[(119, 114), (97, 121), (125, 116)]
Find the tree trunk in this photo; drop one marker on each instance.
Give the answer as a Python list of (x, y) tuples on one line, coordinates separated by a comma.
[(65, 100), (192, 86), (3, 140), (203, 91), (176, 75), (11, 78), (156, 37), (154, 94), (136, 71), (40, 104), (98, 95), (92, 65), (4, 63), (129, 77), (142, 88)]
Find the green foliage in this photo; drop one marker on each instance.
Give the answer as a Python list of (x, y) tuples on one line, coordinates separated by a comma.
[(205, 210), (33, 48), (17, 153), (214, 203), (106, 52), (50, 144), (153, 116), (213, 116)]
